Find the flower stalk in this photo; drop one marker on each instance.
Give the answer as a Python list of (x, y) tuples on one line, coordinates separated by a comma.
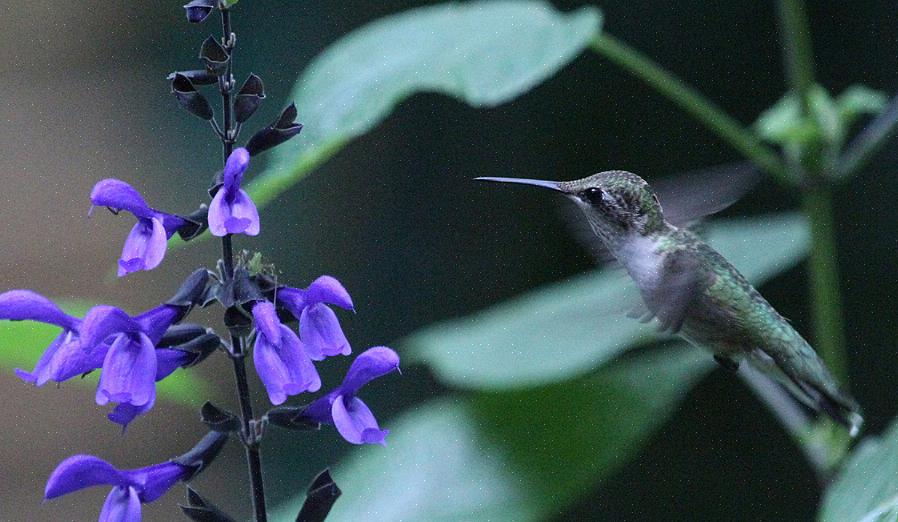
[(249, 437)]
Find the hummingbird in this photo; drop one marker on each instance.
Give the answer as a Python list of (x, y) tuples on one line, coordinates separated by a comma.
[(694, 292)]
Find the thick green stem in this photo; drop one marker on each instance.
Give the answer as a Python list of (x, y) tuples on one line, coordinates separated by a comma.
[(693, 103), (797, 52), (826, 300)]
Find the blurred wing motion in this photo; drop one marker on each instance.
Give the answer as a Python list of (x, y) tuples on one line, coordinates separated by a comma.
[(688, 197)]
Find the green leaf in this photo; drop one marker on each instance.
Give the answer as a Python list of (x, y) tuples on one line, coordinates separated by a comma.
[(485, 53), (514, 456), (569, 328), (23, 342), (867, 487)]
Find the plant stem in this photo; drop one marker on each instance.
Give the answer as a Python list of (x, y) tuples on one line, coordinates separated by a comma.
[(693, 103), (797, 52), (238, 343), (826, 300)]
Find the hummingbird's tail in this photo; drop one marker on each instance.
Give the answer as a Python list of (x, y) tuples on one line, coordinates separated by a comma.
[(803, 373)]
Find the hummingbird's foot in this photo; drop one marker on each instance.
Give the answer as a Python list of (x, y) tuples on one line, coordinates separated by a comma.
[(727, 363)]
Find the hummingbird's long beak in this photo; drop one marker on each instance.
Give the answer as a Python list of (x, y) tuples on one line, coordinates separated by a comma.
[(554, 185)]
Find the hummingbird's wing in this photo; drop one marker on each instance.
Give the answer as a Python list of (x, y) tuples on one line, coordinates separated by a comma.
[(687, 198), (680, 283)]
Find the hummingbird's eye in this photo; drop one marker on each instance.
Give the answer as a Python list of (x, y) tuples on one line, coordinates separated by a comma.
[(594, 195)]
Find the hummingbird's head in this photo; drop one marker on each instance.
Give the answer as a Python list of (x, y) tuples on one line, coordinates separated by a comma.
[(616, 203)]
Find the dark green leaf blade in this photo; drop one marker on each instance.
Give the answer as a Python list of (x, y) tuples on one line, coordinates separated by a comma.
[(458, 49), (515, 456), (867, 487)]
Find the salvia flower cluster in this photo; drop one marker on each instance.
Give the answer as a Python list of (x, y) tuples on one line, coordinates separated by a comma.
[(287, 329)]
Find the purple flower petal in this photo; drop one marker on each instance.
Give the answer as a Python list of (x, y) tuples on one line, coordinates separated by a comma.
[(373, 363), (122, 505), (158, 479), (64, 358), (285, 368), (25, 305), (124, 414), (267, 322), (236, 165), (103, 321), (129, 372), (355, 422), (233, 213), (327, 289), (293, 299), (118, 195), (244, 215), (218, 214), (170, 222), (79, 472), (169, 360), (144, 247), (319, 328), (156, 321)]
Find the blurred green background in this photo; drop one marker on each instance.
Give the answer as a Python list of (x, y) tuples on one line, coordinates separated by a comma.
[(396, 217)]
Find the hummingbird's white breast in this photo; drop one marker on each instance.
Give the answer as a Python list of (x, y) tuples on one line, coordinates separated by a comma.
[(640, 257)]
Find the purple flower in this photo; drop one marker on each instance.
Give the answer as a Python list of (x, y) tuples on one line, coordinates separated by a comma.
[(318, 325), (145, 246), (130, 488), (167, 361), (281, 361), (64, 358), (131, 365), (232, 211), (348, 413)]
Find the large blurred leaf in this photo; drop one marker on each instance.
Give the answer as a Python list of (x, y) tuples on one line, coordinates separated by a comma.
[(23, 342), (867, 487), (514, 456), (570, 328), (485, 53)]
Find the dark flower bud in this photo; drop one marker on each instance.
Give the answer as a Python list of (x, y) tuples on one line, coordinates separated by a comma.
[(180, 334), (203, 453), (239, 289), (320, 499), (291, 418), (196, 77), (192, 290), (284, 128), (201, 510), (198, 348), (214, 56), (217, 419), (249, 97), (236, 321), (187, 95), (195, 223)]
